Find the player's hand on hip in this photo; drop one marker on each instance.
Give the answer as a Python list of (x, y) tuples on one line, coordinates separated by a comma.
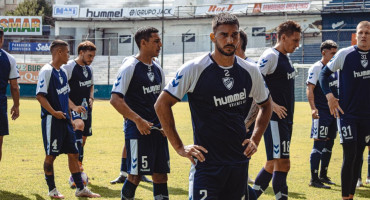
[(143, 126), (315, 114), (334, 105), (279, 110), (192, 152), (250, 149), (59, 115), (14, 111), (79, 109)]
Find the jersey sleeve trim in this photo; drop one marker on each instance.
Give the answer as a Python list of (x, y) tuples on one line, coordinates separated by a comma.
[(165, 90), (119, 94), (264, 101)]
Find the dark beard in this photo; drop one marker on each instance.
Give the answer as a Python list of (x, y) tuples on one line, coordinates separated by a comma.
[(223, 52)]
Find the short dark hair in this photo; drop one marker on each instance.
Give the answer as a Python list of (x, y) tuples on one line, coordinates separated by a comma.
[(1, 32), (328, 44), (144, 33), (288, 28), (224, 18), (243, 40), (57, 43), (86, 45)]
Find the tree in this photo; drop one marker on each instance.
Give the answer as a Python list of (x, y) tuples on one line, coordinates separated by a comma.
[(34, 8)]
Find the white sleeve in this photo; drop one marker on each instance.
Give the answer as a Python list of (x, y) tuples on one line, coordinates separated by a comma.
[(183, 82), (259, 90), (69, 68), (123, 79), (163, 79), (43, 81), (336, 63), (313, 74), (267, 63), (14, 73)]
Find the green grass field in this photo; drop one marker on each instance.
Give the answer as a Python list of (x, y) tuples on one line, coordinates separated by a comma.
[(22, 177)]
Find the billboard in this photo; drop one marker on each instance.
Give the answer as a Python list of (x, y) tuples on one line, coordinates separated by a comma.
[(28, 72), (285, 7), (66, 11), (21, 25), (101, 13), (144, 12), (216, 9), (29, 46)]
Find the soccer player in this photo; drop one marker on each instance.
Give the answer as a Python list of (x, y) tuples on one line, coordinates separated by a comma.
[(279, 75), (137, 87), (8, 73), (57, 131), (352, 107), (324, 126), (81, 83), (218, 86)]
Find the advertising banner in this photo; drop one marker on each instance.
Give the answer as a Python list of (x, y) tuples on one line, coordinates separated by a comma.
[(285, 7), (29, 46), (28, 72), (102, 13), (216, 9), (66, 11), (21, 25), (146, 12)]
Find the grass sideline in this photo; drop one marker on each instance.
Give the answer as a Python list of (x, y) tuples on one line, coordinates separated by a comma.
[(22, 177)]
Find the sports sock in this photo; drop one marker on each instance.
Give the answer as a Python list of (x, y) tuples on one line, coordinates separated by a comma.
[(79, 145), (160, 191), (279, 185), (50, 181), (250, 193), (123, 165), (368, 165), (128, 190), (262, 182), (78, 180), (325, 158), (315, 157)]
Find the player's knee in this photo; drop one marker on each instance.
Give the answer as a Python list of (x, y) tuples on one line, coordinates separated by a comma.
[(282, 165), (159, 178), (135, 179), (73, 156), (48, 164), (269, 166), (79, 124)]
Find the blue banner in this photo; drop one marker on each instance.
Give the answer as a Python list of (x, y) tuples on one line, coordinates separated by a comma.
[(29, 46)]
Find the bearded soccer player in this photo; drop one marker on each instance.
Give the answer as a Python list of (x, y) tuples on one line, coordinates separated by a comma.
[(218, 86), (81, 83), (279, 76), (352, 106), (324, 125)]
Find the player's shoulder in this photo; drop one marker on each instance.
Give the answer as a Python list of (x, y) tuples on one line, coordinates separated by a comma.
[(316, 66), (129, 62), (199, 63), (70, 64), (270, 53), (10, 57), (246, 64), (345, 51), (46, 67)]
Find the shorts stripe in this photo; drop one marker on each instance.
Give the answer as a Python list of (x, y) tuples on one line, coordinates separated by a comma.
[(48, 132), (275, 138), (339, 131), (191, 179), (134, 157)]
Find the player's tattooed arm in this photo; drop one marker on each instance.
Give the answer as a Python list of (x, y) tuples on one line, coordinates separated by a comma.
[(263, 119), (252, 115), (163, 108), (45, 104)]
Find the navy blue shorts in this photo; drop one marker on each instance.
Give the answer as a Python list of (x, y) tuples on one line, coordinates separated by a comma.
[(87, 130), (354, 130), (148, 154), (58, 136), (4, 126), (325, 127), (277, 139), (218, 182)]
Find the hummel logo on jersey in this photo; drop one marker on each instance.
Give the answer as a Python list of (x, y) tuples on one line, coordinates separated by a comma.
[(85, 83), (155, 89), (333, 83), (151, 76), (310, 75), (228, 82), (174, 83), (364, 74), (233, 100), (117, 81), (63, 90), (42, 83), (134, 163), (291, 75), (263, 63)]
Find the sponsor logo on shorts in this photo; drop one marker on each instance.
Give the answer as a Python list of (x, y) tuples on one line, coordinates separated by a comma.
[(134, 163)]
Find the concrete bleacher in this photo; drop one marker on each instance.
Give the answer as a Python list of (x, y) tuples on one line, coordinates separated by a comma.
[(347, 5)]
